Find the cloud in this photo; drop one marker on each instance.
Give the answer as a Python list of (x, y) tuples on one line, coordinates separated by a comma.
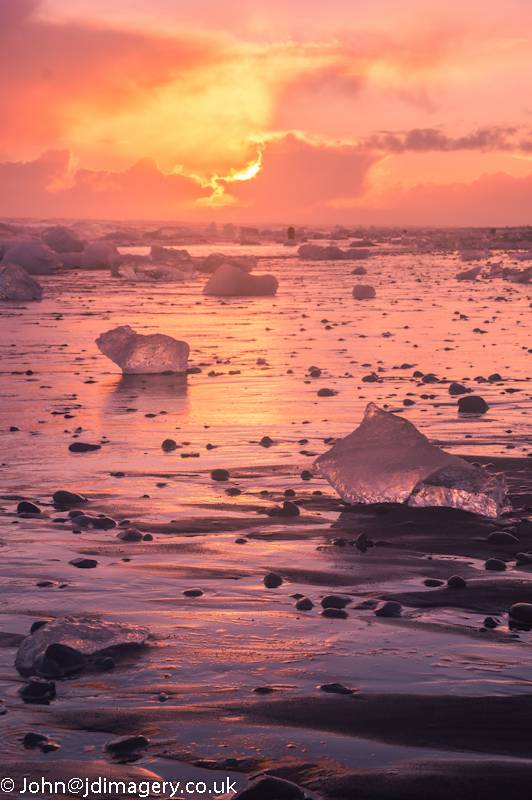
[(501, 138), (50, 186), (493, 199), (300, 178)]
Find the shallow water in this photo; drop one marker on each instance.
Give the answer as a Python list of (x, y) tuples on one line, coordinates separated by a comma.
[(254, 355)]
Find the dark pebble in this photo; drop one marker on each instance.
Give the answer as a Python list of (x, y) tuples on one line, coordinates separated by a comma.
[(456, 582), (25, 507), (389, 609), (220, 475), (83, 447), (84, 563), (305, 604), (272, 580)]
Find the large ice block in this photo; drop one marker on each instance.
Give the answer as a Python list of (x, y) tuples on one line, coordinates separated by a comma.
[(137, 354), (387, 460), (33, 256), (231, 281), (16, 285)]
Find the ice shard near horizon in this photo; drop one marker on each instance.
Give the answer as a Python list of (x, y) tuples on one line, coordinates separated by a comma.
[(387, 460)]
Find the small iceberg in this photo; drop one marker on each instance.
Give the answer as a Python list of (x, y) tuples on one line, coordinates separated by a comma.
[(387, 460), (16, 285), (137, 354), (231, 281)]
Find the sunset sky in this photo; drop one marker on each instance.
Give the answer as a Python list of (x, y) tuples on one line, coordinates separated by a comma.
[(351, 111)]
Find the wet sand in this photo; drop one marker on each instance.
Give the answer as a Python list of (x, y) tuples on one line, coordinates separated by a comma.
[(441, 705)]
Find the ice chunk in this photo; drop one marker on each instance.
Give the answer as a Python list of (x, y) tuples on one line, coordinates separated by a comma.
[(387, 460), (469, 274), (33, 256), (100, 255), (139, 271), (230, 281), (215, 260), (62, 239), (89, 636), (17, 285), (168, 255), (137, 354)]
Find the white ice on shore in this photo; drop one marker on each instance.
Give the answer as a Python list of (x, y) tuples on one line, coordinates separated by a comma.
[(231, 281), (138, 354), (387, 460), (87, 635), (17, 286), (33, 256)]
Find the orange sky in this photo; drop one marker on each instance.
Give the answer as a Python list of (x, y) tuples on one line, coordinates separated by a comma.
[(385, 111)]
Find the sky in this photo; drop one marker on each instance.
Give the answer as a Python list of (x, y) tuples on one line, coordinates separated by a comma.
[(403, 112)]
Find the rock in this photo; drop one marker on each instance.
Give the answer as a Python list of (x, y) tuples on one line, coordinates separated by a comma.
[(102, 523), (433, 582), (503, 538), (33, 256), (391, 608), (334, 613), (472, 404), (520, 616), (137, 354), (272, 580), (84, 563), (83, 447), (335, 601), (126, 746), (456, 582), (168, 445), (457, 388), (325, 392), (86, 637), (335, 688), (100, 255), (387, 460), (65, 499), (271, 788), (17, 286), (25, 507), (231, 281), (305, 604), (33, 739), (491, 623), (130, 535), (193, 592), (364, 292), (359, 271), (62, 239), (38, 691), (220, 475), (288, 509), (495, 565), (60, 661)]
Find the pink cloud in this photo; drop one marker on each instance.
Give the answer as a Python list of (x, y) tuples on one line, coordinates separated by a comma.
[(300, 178)]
